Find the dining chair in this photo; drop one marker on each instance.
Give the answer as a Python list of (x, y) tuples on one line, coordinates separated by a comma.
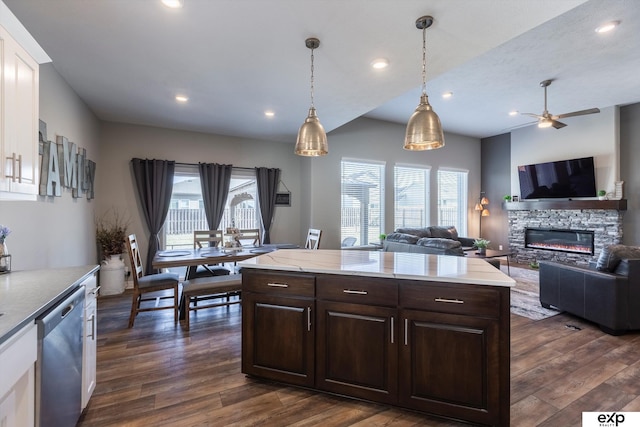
[(252, 234), (313, 238), (207, 239), (143, 284)]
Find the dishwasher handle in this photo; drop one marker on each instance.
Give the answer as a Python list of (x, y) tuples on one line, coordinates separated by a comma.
[(60, 311)]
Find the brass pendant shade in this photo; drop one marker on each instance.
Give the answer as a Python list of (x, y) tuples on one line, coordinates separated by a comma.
[(424, 130), (312, 139)]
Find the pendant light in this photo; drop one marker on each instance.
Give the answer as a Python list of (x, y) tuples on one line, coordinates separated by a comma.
[(312, 139), (424, 130)]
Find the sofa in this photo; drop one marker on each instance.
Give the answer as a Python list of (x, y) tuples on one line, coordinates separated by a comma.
[(438, 240), (606, 293)]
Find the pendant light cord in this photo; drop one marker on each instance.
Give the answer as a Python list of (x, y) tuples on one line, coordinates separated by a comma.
[(424, 60), (312, 104)]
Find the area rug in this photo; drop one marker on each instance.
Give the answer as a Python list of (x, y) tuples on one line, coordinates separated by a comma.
[(525, 296)]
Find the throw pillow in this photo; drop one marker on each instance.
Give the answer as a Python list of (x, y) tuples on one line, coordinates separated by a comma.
[(402, 238), (420, 232), (611, 255)]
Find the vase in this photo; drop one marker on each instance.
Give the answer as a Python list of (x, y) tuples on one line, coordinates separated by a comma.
[(112, 275), (5, 265), (482, 251)]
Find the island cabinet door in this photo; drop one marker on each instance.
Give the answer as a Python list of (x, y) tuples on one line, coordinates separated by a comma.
[(450, 365), (357, 352), (278, 338)]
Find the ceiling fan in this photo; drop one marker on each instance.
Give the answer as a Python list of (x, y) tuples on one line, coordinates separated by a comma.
[(546, 120)]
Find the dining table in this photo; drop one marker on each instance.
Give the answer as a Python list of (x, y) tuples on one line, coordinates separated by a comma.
[(192, 258)]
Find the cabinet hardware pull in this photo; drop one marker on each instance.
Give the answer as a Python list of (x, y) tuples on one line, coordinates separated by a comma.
[(309, 319), (13, 167), (454, 301), (95, 290), (19, 168), (278, 285), (93, 327), (406, 331), (349, 291), (392, 330)]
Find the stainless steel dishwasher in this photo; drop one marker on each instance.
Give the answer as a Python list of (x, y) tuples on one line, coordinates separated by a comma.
[(59, 363)]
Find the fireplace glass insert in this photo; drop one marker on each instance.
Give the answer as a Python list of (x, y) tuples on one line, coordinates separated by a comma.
[(576, 241)]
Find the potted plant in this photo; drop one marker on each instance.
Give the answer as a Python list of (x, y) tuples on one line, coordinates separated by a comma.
[(111, 232), (507, 198), (481, 245), (602, 195)]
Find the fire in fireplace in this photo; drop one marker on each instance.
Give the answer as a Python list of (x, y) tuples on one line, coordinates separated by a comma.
[(551, 239)]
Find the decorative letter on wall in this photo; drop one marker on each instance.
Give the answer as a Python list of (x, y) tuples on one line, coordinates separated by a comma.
[(64, 165)]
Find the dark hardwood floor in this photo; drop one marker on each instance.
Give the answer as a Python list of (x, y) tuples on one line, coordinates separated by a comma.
[(158, 374)]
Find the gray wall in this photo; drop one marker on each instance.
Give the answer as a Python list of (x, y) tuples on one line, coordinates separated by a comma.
[(496, 176), (56, 231), (630, 172)]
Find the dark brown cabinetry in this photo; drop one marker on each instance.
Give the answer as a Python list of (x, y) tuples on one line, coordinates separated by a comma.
[(441, 348), (278, 328)]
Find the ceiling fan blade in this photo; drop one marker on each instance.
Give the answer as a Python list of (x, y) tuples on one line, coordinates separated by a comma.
[(556, 124), (577, 113), (537, 116)]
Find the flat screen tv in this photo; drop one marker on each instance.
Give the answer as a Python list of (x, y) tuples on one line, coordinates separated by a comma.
[(558, 180)]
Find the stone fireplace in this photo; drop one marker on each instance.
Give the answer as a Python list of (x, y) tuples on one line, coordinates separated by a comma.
[(576, 231)]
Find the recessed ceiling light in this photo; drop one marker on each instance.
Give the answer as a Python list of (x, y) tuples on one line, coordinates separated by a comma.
[(173, 4), (605, 28), (380, 63), (269, 113), (447, 95), (181, 98), (513, 113)]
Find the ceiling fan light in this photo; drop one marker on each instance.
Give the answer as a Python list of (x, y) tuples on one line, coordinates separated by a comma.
[(545, 123), (424, 130), (312, 139)]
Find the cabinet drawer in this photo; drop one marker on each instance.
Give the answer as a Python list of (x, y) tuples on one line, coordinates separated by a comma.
[(358, 290), (451, 298), (278, 283)]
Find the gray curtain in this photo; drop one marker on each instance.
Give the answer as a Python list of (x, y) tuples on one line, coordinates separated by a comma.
[(154, 181), (267, 182), (214, 180)]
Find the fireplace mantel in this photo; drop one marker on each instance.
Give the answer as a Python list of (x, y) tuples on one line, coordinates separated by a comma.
[(540, 205)]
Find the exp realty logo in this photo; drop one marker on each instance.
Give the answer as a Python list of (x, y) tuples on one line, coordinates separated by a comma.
[(610, 419)]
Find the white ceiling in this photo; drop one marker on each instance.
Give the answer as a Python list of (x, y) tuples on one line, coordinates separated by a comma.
[(234, 59)]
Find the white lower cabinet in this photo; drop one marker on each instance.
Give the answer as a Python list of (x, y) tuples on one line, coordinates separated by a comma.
[(89, 341), (17, 378)]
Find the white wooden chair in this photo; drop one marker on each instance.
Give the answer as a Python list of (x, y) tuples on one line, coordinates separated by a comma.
[(207, 239), (313, 239), (252, 234)]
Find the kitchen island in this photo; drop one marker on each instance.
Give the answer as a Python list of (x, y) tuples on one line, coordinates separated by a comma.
[(423, 332)]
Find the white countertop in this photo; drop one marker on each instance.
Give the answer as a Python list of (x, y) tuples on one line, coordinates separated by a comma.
[(24, 295), (398, 265)]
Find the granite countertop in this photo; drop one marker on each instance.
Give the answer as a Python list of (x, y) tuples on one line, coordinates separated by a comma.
[(399, 265), (24, 295)]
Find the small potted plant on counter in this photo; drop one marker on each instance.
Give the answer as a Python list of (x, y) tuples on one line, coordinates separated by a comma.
[(507, 198), (602, 195), (481, 245)]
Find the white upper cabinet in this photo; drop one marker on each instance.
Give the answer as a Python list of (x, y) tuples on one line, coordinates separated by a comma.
[(19, 105)]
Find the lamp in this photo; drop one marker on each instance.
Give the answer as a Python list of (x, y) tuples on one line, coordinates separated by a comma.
[(312, 139), (481, 207), (424, 130)]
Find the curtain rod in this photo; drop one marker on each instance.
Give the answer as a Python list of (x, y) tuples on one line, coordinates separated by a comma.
[(196, 164)]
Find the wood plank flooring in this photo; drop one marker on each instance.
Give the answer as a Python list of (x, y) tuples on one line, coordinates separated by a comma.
[(158, 374)]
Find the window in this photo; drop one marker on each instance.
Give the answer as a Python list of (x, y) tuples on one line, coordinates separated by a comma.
[(362, 198), (411, 201), (452, 199), (186, 210)]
